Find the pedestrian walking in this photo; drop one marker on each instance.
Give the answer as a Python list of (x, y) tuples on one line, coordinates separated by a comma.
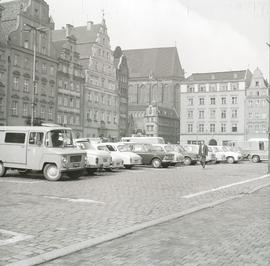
[(203, 152)]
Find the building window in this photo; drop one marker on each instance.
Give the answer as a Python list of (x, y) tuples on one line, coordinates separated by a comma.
[(234, 86), (42, 112), (212, 87), (16, 60), (71, 85), (212, 128), (65, 85), (65, 101), (223, 128), (25, 109), (52, 70), (223, 87), (44, 50), (201, 128), (190, 114), (14, 108), (190, 128), (43, 69), (234, 100), (16, 83), (234, 113), (202, 88), (1, 104), (212, 114), (223, 114), (26, 44), (190, 101), (234, 128), (223, 100), (26, 85), (201, 101), (212, 101), (257, 84), (250, 115), (190, 89), (250, 103), (201, 114)]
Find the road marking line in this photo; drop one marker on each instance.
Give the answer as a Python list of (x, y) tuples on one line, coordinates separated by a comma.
[(15, 237), (222, 187), (22, 182), (75, 200)]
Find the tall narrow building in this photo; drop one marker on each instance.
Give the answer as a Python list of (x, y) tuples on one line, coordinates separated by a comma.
[(19, 19), (155, 75), (101, 101)]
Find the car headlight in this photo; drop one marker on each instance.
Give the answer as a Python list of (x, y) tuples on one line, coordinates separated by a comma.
[(64, 161), (97, 160)]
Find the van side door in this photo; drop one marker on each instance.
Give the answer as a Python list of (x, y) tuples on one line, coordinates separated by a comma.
[(14, 147), (35, 150)]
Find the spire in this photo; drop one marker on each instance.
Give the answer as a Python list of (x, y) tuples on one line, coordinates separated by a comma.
[(103, 16)]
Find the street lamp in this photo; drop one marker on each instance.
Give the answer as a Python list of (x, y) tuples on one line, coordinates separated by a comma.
[(35, 30), (268, 99)]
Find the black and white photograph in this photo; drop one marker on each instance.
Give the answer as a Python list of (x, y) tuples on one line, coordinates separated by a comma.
[(134, 132)]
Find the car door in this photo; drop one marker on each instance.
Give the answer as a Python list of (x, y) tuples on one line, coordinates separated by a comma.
[(35, 150)]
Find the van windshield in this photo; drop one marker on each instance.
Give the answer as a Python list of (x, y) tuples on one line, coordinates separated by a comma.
[(59, 138)]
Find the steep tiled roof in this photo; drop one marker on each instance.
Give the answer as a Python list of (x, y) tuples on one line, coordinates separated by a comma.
[(82, 34), (219, 76), (160, 62)]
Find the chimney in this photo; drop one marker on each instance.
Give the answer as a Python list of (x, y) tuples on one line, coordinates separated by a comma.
[(89, 25), (69, 27)]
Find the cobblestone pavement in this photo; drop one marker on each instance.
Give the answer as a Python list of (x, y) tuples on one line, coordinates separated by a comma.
[(39, 216), (234, 233)]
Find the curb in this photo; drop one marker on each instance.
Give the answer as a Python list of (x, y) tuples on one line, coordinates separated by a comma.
[(45, 257)]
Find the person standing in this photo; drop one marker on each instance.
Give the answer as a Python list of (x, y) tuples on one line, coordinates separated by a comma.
[(203, 152)]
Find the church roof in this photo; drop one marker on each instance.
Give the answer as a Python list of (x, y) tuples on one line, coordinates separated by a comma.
[(159, 62)]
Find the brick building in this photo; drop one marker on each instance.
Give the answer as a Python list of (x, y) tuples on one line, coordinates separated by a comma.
[(213, 107), (20, 42), (155, 75), (70, 84)]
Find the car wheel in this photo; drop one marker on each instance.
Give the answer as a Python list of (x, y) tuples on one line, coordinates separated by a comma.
[(156, 163), (91, 171), (52, 172), (3, 169), (187, 161), (128, 166), (256, 159), (230, 160)]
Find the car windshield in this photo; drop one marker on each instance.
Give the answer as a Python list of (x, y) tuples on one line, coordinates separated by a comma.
[(110, 147), (59, 138), (169, 148), (225, 148), (180, 148), (85, 145), (102, 148), (124, 148)]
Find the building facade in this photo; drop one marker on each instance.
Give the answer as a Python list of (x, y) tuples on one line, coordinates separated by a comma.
[(257, 107), (213, 107), (19, 19), (3, 74), (70, 84), (155, 75), (101, 101), (122, 75)]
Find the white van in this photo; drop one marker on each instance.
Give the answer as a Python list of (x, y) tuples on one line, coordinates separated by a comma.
[(149, 140), (49, 149)]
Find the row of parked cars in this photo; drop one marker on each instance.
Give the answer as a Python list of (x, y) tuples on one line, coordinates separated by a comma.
[(52, 150)]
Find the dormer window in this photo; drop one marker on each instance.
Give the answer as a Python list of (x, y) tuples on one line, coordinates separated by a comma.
[(257, 83)]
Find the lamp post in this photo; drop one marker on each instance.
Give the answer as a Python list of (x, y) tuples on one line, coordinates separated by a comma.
[(268, 99), (35, 30)]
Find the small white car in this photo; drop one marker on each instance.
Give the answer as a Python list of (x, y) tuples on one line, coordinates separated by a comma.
[(177, 156), (117, 161), (96, 159), (129, 158), (220, 155), (231, 156)]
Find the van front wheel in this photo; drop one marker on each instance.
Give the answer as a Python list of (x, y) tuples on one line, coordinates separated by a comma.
[(2, 169), (52, 172)]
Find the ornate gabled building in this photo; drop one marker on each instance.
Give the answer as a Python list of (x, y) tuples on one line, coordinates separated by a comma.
[(155, 75), (3, 74), (257, 107), (122, 75), (19, 19), (70, 84), (213, 107), (101, 101)]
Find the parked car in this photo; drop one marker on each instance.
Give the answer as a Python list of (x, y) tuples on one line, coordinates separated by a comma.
[(220, 155), (194, 148), (96, 159), (123, 151), (231, 156), (152, 155), (190, 158), (177, 156), (48, 149), (117, 161)]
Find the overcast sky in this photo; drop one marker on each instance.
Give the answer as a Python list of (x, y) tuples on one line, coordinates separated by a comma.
[(211, 35)]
